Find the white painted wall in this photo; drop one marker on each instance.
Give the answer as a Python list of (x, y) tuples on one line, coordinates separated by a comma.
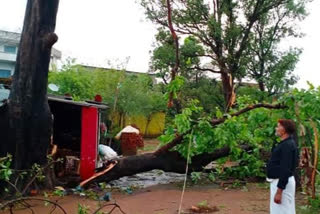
[(8, 60), (7, 66)]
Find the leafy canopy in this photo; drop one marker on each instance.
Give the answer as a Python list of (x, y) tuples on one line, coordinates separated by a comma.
[(133, 94)]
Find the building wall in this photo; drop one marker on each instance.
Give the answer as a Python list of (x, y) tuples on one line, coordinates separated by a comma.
[(4, 66), (9, 43), (155, 127), (8, 55)]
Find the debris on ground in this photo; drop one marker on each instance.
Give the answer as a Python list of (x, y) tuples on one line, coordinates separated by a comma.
[(106, 197), (202, 207)]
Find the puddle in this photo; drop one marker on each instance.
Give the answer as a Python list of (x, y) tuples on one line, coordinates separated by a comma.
[(147, 179)]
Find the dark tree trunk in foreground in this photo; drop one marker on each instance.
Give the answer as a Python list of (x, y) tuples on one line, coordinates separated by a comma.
[(29, 114)]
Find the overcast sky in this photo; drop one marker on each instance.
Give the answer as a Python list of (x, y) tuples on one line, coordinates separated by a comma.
[(97, 32)]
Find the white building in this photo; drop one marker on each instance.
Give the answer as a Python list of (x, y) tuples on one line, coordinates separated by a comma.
[(9, 43)]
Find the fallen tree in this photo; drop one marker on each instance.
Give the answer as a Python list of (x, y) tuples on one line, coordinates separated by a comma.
[(172, 161), (166, 161)]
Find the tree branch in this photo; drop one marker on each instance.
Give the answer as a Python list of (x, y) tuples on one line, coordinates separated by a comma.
[(49, 40), (252, 19), (215, 122), (206, 69), (176, 43), (22, 202), (203, 55), (185, 29), (214, 9), (177, 140), (272, 37)]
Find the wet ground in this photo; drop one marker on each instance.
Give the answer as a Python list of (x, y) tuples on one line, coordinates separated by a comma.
[(158, 192), (147, 179), (165, 199)]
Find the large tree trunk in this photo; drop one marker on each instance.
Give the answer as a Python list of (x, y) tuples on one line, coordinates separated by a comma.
[(4, 137), (166, 161), (29, 114)]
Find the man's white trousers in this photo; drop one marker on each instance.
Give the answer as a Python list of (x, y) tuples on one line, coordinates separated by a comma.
[(287, 205)]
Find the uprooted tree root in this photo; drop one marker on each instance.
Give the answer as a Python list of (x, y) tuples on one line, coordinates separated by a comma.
[(25, 203)]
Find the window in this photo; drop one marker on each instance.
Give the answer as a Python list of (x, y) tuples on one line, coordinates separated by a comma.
[(10, 49), (4, 73)]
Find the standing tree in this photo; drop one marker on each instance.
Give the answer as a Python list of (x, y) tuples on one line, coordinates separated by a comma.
[(28, 110), (163, 58), (269, 65), (74, 80), (138, 96), (224, 28)]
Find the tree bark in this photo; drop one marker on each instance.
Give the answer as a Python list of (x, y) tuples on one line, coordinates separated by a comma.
[(29, 114), (228, 90), (147, 124), (175, 38), (166, 161), (4, 137), (261, 85)]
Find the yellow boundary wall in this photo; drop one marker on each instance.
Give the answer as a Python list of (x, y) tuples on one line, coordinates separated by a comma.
[(155, 127)]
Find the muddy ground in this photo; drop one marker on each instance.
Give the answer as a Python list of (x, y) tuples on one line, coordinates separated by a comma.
[(251, 198), (165, 199)]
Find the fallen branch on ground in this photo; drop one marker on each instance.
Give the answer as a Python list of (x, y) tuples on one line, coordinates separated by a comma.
[(171, 161), (24, 202), (115, 206)]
